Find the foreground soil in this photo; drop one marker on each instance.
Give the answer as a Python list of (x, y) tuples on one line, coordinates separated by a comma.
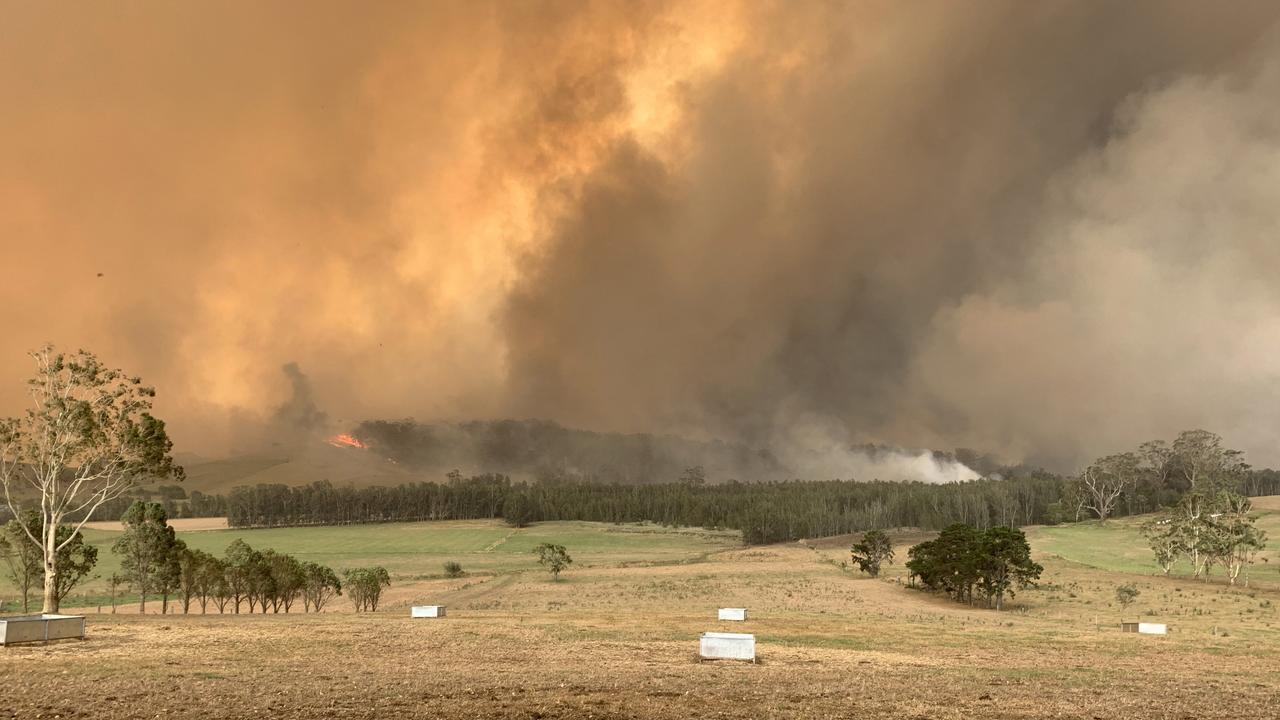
[(621, 643)]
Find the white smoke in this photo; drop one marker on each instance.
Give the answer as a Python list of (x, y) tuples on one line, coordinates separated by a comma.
[(818, 447)]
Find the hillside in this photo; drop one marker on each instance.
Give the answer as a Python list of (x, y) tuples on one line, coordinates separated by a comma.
[(318, 461)]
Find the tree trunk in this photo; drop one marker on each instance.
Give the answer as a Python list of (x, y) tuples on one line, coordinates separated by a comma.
[(51, 566)]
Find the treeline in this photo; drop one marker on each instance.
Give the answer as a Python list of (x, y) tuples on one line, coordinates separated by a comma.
[(778, 511), (173, 498), (765, 512)]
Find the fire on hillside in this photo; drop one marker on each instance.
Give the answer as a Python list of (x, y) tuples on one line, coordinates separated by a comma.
[(344, 440)]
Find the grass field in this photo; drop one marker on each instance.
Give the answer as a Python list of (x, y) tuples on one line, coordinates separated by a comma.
[(617, 637), (1118, 545), (419, 550)]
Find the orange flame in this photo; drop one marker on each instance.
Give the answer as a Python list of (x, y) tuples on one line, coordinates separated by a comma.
[(345, 440)]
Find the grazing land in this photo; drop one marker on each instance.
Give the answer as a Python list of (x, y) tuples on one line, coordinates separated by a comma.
[(617, 637)]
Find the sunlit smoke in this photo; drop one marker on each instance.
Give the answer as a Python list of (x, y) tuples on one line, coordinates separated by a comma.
[(1044, 230)]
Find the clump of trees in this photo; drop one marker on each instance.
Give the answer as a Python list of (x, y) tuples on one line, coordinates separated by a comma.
[(968, 564), (89, 438), (365, 586), (453, 569), (155, 562), (1207, 530), (1158, 474), (553, 557), (24, 560), (873, 551)]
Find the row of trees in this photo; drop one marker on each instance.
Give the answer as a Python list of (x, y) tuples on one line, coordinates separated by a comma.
[(154, 562), (968, 564), (765, 512)]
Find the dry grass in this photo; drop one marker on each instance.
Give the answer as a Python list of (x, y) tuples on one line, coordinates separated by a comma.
[(613, 642)]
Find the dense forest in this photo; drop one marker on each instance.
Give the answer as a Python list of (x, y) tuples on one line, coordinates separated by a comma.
[(765, 512), (547, 451)]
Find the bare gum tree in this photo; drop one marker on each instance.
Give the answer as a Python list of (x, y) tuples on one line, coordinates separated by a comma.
[(1106, 480), (88, 438)]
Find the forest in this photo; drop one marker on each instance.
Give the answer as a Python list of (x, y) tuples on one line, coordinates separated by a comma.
[(1156, 477)]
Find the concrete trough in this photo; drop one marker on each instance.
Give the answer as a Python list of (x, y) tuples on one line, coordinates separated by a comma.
[(427, 611), (40, 628), (738, 614), (727, 646)]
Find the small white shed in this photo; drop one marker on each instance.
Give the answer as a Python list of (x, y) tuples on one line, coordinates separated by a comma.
[(727, 646), (427, 611), (739, 614)]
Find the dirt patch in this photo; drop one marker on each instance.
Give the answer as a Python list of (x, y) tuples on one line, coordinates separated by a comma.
[(178, 524)]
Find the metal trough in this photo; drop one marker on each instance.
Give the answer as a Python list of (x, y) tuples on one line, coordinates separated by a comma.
[(733, 614), (40, 628), (727, 646), (427, 611), (1145, 628)]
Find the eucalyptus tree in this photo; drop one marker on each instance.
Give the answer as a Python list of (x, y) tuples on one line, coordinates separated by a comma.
[(553, 557), (147, 550), (1106, 480), (874, 550), (88, 438), (320, 584)]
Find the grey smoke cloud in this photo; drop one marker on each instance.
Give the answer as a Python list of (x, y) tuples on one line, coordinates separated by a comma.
[(1039, 229)]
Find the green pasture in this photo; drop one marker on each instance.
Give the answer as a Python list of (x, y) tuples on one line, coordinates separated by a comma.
[(418, 550), (1119, 546)]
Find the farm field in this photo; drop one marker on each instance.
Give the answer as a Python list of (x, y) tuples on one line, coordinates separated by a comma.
[(617, 637), (418, 550)]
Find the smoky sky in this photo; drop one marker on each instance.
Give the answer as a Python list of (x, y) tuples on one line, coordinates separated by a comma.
[(1046, 230)]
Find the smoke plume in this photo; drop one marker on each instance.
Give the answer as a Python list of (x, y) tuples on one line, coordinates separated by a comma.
[(1042, 229)]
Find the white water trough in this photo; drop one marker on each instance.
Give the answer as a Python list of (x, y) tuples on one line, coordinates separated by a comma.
[(427, 611), (727, 646), (1145, 628), (739, 614), (40, 628)]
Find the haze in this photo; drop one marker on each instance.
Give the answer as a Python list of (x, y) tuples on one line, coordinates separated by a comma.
[(1046, 230)]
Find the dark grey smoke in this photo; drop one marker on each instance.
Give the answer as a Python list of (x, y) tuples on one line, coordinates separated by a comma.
[(299, 416)]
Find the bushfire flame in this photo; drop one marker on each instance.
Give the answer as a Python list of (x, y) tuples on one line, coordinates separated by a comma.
[(345, 440)]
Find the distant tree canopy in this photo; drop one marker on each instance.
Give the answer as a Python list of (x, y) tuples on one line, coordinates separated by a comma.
[(765, 512)]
